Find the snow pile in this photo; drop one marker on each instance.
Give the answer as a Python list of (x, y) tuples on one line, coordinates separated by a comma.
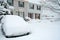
[(14, 25), (34, 21), (11, 7), (27, 19), (34, 1)]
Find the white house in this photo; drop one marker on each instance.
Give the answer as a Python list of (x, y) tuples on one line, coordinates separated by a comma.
[(25, 8)]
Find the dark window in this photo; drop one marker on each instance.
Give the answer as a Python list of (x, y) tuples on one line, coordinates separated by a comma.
[(31, 6), (38, 7), (30, 15), (20, 4), (11, 12), (10, 2), (37, 16)]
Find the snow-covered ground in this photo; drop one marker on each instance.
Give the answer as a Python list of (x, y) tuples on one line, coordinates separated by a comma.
[(41, 30)]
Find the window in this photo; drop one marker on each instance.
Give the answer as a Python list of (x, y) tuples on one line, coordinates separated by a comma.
[(11, 12), (31, 6), (38, 7), (10, 2), (37, 16), (21, 14), (20, 4), (30, 15)]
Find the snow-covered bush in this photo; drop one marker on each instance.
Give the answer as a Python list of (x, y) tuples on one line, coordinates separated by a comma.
[(27, 18), (35, 21), (14, 25)]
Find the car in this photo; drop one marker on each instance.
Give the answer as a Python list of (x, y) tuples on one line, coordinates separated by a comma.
[(14, 26)]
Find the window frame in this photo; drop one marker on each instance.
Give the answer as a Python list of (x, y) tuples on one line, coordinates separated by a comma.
[(38, 7), (10, 2), (31, 6), (20, 4)]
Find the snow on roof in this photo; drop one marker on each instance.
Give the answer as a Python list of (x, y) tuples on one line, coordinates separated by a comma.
[(33, 1)]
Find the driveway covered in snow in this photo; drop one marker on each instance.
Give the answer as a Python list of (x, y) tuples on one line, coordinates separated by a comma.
[(42, 30)]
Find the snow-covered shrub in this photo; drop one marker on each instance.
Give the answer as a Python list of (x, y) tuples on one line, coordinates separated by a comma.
[(27, 18), (14, 25)]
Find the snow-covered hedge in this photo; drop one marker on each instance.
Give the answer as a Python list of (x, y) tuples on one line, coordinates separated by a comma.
[(14, 25), (27, 19)]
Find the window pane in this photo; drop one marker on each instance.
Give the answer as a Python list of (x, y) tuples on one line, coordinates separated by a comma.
[(30, 15), (10, 2), (37, 16), (38, 7), (31, 6), (20, 4)]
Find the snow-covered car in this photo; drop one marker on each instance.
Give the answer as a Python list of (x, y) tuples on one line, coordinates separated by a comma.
[(14, 26)]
